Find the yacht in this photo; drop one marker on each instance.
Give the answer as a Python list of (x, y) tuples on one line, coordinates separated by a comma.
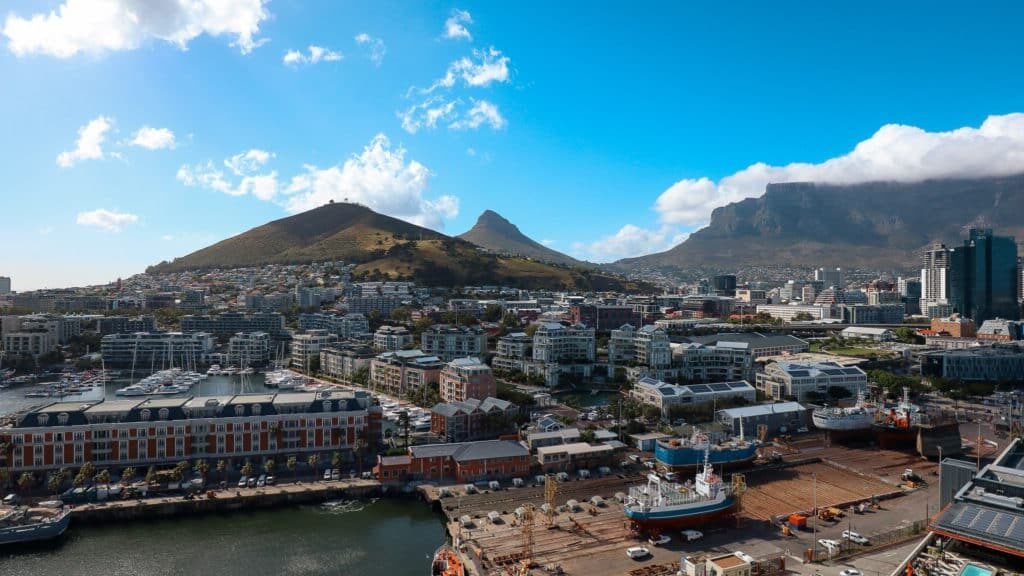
[(133, 390)]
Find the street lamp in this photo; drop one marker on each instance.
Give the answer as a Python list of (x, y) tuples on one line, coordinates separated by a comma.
[(814, 511)]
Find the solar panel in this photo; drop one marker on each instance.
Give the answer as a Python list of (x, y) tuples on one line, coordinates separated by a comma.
[(1016, 530), (700, 388), (719, 387), (738, 385), (1001, 524), (799, 373)]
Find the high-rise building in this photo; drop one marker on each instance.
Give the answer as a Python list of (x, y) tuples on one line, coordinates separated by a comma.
[(934, 277), (829, 277), (983, 277), (5, 285), (724, 284)]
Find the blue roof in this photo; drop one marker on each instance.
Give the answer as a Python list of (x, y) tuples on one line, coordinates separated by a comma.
[(762, 410)]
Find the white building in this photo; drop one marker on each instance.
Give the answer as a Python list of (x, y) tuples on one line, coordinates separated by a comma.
[(145, 349), (306, 347), (512, 351), (653, 392), (783, 380), (553, 342), (249, 349), (789, 312), (390, 338), (451, 342), (866, 333)]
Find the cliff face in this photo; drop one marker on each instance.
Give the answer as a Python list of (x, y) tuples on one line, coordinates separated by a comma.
[(874, 225)]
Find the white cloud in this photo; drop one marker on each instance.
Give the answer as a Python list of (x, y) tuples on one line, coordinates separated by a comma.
[(89, 145), (894, 153), (247, 165), (427, 114), (316, 55), (374, 47), (483, 69), (482, 112), (106, 220), (167, 237), (97, 26), (153, 138), (379, 178), (455, 25), (471, 151), (629, 241), (248, 162), (547, 242)]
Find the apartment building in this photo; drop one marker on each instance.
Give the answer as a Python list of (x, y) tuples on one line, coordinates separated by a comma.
[(250, 349), (365, 305), (140, 433), (473, 419), (227, 323), (390, 338), (654, 392), (306, 347), (647, 347), (512, 351), (146, 349), (342, 361), (395, 373), (554, 343), (451, 342), (345, 326), (784, 380), (465, 378)]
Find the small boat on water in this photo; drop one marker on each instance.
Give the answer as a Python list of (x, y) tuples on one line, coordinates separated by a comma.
[(447, 562), (21, 524), (133, 390)]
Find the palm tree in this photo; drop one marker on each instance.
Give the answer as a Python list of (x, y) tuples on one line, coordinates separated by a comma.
[(104, 477), (53, 484), (127, 475), (79, 480), (269, 466), (247, 469), (358, 446), (203, 468), (314, 463), (25, 481), (222, 469), (88, 470), (336, 460), (151, 475), (293, 464), (178, 473)]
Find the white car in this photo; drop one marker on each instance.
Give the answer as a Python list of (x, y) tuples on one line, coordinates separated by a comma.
[(855, 537), (660, 540), (831, 545), (850, 572), (691, 535), (637, 552)]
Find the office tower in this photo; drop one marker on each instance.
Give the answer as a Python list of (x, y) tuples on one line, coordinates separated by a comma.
[(829, 277), (724, 284), (983, 277)]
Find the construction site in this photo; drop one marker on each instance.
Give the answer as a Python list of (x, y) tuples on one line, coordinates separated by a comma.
[(579, 527)]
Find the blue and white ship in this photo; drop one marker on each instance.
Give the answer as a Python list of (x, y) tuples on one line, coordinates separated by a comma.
[(689, 452), (663, 504), (20, 524)]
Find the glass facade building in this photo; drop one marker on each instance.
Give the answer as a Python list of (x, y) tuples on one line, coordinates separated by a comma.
[(983, 277)]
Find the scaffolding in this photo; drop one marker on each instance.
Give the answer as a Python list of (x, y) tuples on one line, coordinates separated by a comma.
[(550, 493)]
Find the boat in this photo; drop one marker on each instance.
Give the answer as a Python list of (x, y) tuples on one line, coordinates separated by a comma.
[(20, 524), (855, 419), (447, 562), (897, 427), (663, 504), (133, 390), (688, 452)]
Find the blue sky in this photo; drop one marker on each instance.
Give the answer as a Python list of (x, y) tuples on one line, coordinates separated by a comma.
[(606, 130)]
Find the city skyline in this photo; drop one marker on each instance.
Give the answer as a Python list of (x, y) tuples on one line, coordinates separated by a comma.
[(187, 129)]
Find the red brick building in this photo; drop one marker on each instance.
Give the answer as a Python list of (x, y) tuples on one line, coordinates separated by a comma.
[(465, 378), (456, 463)]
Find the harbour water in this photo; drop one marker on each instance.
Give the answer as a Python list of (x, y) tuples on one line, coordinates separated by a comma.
[(13, 399), (385, 536)]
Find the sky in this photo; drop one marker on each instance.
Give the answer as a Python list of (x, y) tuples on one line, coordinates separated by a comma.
[(134, 132)]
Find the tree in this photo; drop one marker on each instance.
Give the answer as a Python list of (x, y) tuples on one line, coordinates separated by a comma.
[(314, 463), (88, 470), (25, 481), (202, 468), (54, 483), (151, 475), (269, 466), (492, 313), (104, 477), (222, 468), (403, 422), (127, 475), (531, 330), (336, 460), (293, 465), (803, 317), (247, 469), (652, 413), (180, 469)]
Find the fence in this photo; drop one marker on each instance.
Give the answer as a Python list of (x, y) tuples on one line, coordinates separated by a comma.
[(876, 539)]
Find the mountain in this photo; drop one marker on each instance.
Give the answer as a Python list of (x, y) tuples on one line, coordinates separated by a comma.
[(877, 225), (383, 247), (495, 233)]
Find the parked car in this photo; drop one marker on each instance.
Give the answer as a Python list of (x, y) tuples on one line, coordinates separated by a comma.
[(11, 500), (270, 480), (243, 481), (637, 552), (261, 481), (327, 474), (660, 540), (831, 545), (855, 537), (335, 474), (850, 572), (252, 482), (691, 535)]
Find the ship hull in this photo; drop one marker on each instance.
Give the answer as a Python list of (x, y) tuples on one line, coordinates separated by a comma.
[(35, 532), (685, 518), (891, 437), (680, 457), (446, 562)]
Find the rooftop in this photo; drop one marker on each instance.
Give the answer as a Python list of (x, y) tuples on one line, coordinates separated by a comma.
[(751, 339), (762, 410)]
